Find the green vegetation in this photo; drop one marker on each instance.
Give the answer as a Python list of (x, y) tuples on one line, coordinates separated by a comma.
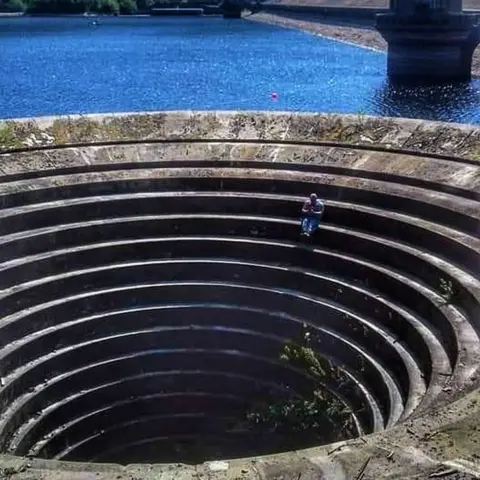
[(107, 7), (7, 136), (100, 7), (318, 416), (12, 6)]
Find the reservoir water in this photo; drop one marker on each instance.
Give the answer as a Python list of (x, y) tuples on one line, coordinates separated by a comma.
[(64, 65)]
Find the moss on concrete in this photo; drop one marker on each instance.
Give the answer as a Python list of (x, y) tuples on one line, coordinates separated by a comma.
[(356, 130), (8, 139)]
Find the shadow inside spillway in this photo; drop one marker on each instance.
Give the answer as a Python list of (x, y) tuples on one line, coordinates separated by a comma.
[(144, 311), (194, 450)]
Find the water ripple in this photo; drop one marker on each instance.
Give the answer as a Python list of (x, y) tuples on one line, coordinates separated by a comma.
[(65, 65)]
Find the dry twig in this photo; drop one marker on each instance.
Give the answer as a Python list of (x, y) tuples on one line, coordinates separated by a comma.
[(362, 470), (443, 473)]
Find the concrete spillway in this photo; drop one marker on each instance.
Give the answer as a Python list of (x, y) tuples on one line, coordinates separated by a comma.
[(148, 283)]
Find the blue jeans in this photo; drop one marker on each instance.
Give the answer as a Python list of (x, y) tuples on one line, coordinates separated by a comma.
[(310, 224)]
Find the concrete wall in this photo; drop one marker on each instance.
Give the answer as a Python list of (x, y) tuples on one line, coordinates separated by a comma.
[(403, 166), (467, 4), (354, 15), (349, 15)]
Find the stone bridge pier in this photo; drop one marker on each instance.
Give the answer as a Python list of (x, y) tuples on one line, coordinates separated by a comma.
[(231, 9), (429, 40)]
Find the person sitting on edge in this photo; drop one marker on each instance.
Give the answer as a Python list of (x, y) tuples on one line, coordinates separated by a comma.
[(312, 212)]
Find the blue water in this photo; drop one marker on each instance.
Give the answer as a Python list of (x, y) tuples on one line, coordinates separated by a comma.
[(66, 65)]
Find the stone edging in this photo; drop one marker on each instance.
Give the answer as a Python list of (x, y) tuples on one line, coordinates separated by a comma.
[(462, 141)]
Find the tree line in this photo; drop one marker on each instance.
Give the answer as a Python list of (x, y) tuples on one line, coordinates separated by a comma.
[(106, 7)]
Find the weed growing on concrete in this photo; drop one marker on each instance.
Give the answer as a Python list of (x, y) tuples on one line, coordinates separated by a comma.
[(475, 155), (447, 291), (320, 414), (7, 137), (361, 115)]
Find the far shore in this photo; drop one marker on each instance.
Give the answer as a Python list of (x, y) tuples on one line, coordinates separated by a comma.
[(81, 15), (362, 36)]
